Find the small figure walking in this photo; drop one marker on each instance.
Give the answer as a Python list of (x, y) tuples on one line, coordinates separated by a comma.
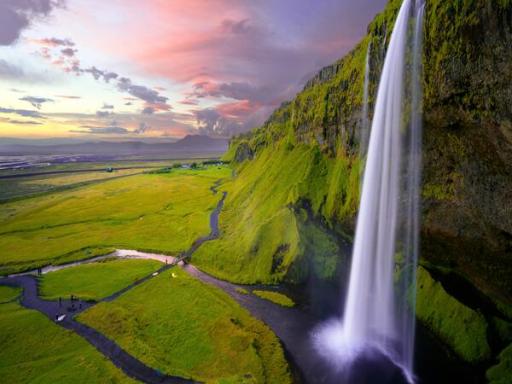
[(60, 301)]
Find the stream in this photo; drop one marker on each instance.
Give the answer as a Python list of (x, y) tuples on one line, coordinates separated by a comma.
[(293, 326)]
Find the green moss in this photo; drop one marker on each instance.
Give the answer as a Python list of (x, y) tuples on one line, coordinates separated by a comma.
[(438, 192), (460, 327), (502, 372), (275, 297), (320, 254), (503, 330)]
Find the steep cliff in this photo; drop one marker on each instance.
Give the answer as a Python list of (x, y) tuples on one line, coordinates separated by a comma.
[(294, 199)]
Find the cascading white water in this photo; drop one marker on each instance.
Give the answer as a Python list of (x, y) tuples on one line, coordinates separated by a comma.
[(378, 314)]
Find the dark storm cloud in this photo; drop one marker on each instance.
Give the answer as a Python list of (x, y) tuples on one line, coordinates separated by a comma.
[(54, 42), (22, 122), (148, 111), (211, 122), (19, 122), (143, 127), (69, 52), (36, 102), (16, 15), (102, 130), (150, 96), (70, 97), (22, 112), (233, 90), (67, 61), (104, 113), (100, 74), (236, 27)]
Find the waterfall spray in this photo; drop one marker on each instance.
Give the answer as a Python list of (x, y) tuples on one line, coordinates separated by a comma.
[(379, 311)]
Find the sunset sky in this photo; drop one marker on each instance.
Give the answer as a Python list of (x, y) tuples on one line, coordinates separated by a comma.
[(162, 68)]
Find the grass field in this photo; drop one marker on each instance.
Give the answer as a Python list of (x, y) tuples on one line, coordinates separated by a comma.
[(97, 280), (275, 297), (153, 212), (35, 350), (26, 186), (72, 166), (184, 327)]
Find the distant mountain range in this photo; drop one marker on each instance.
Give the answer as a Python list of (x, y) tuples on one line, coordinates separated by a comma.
[(197, 144)]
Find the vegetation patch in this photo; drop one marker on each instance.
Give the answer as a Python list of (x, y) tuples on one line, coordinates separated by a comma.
[(242, 291), (275, 297), (502, 372), (163, 213), (94, 281), (460, 327), (35, 350), (262, 232), (178, 325), (8, 294)]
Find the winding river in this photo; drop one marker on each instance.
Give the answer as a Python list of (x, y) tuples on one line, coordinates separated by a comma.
[(293, 326)]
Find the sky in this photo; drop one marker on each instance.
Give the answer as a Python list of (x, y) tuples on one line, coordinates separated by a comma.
[(121, 69)]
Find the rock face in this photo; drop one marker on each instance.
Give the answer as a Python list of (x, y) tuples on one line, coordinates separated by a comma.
[(468, 141), (467, 144), (467, 180)]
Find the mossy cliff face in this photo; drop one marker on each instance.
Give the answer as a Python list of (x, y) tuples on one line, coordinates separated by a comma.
[(467, 191), (306, 155), (459, 326), (467, 220)]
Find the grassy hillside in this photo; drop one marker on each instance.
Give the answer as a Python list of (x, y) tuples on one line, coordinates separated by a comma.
[(161, 212), (297, 177), (266, 224)]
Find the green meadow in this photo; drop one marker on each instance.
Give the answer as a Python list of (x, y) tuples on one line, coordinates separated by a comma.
[(179, 325), (20, 187), (161, 212), (97, 280), (35, 350)]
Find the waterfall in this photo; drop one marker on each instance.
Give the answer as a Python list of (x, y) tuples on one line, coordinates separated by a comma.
[(379, 312), (412, 185), (365, 119)]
